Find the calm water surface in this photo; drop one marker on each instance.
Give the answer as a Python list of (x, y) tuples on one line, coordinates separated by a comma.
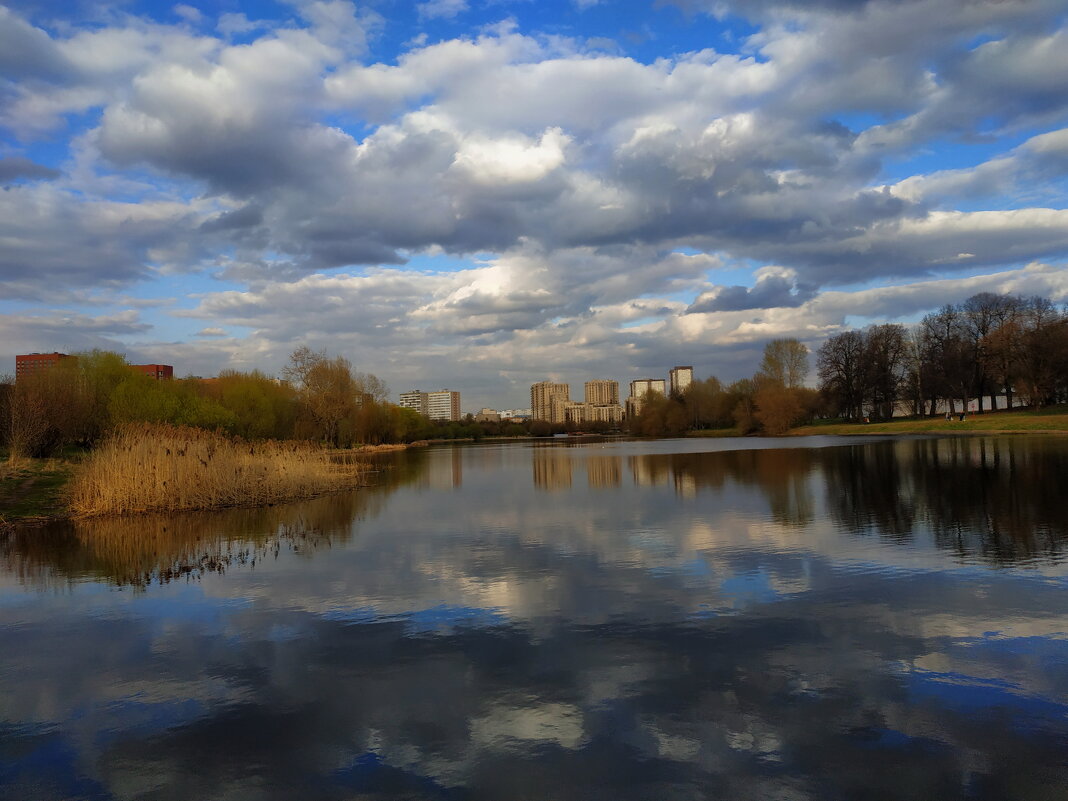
[(735, 619)]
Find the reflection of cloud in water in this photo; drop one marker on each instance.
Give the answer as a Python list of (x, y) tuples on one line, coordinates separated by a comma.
[(510, 727), (756, 637)]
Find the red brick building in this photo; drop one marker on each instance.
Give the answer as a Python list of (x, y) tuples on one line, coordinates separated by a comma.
[(31, 363), (156, 371)]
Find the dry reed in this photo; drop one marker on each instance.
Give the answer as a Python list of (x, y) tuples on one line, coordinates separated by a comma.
[(381, 448), (148, 467)]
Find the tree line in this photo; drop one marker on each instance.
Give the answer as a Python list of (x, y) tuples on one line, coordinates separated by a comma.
[(320, 398), (772, 401), (988, 347), (1000, 351), (79, 400)]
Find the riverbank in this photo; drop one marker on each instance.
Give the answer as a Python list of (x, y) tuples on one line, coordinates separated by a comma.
[(37, 491), (33, 490), (1053, 420)]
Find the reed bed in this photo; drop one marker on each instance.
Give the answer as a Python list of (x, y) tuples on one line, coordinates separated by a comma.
[(382, 448), (163, 468)]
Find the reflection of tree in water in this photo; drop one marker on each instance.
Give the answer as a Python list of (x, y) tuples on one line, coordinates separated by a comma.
[(872, 488), (998, 498), (782, 474), (147, 549)]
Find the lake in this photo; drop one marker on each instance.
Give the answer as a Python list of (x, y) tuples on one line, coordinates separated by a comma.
[(806, 618)]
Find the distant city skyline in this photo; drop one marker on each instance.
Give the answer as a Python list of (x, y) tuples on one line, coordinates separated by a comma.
[(479, 195)]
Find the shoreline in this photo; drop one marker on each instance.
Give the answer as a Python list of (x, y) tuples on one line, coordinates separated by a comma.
[(990, 423), (33, 494), (1000, 432)]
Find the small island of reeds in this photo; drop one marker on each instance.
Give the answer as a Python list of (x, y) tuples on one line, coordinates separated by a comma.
[(165, 468)]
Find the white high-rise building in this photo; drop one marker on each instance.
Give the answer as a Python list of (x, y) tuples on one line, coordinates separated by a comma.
[(415, 399), (679, 378), (640, 387), (441, 405)]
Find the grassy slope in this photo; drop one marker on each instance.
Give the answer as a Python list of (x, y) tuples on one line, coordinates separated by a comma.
[(1053, 419), (33, 488)]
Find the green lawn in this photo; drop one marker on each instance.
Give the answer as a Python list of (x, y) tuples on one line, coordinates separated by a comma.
[(1051, 419), (33, 488)]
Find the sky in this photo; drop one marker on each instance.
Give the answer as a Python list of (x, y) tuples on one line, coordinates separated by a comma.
[(481, 194)]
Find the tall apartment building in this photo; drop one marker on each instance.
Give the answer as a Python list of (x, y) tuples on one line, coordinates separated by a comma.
[(28, 364), (639, 388), (588, 413), (548, 401), (414, 399), (602, 392), (441, 405), (643, 386), (679, 378)]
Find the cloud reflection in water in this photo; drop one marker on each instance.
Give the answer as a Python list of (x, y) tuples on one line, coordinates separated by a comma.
[(878, 620)]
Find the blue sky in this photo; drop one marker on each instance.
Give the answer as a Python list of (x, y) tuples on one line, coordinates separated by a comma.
[(480, 194)]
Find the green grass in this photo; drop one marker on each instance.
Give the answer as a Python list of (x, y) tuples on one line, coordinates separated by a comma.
[(713, 432), (33, 489), (1051, 419)]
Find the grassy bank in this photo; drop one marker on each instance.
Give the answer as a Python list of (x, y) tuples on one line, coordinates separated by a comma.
[(33, 489), (1050, 420), (168, 468), (714, 433)]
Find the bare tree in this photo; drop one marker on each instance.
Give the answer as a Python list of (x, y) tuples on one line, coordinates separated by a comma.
[(946, 356), (786, 362), (840, 365), (371, 387), (31, 432), (1001, 350), (1042, 352), (326, 388), (886, 356), (7, 391), (981, 315)]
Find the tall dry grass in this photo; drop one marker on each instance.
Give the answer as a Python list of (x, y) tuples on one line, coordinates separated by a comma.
[(151, 467)]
